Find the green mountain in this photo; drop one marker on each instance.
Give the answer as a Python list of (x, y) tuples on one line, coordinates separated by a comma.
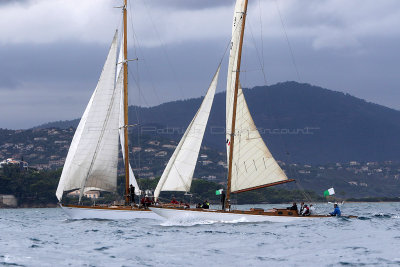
[(299, 123)]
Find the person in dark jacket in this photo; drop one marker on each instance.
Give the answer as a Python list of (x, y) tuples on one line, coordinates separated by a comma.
[(147, 201), (206, 205), (293, 207), (132, 194), (223, 200), (336, 211)]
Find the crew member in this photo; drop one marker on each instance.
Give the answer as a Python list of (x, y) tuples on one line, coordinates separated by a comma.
[(293, 207), (312, 209), (147, 201), (174, 201), (306, 211), (206, 205), (132, 194), (336, 211), (301, 208), (223, 200)]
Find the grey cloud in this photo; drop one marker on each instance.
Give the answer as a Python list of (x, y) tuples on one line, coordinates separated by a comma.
[(7, 2), (50, 63), (59, 86), (191, 4), (47, 82)]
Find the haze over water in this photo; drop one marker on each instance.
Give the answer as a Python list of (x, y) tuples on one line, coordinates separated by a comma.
[(46, 237)]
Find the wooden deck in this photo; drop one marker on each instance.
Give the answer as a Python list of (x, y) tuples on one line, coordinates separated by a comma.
[(255, 211)]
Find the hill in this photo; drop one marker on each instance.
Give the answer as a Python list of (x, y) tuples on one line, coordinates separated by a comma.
[(45, 150), (299, 123)]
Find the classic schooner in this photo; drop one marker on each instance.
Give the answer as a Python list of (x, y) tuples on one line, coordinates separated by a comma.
[(92, 159), (250, 163)]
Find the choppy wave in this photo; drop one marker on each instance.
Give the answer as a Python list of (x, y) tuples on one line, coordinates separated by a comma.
[(33, 237), (189, 221)]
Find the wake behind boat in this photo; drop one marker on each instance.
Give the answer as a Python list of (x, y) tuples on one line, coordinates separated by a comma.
[(252, 215), (251, 166)]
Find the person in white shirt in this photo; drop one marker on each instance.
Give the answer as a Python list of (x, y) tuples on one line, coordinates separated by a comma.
[(306, 211), (312, 209)]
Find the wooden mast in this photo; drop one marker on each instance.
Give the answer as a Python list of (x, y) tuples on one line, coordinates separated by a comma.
[(232, 134), (126, 106)]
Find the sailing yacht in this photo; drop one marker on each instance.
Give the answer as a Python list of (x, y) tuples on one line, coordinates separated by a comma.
[(92, 159), (250, 164)]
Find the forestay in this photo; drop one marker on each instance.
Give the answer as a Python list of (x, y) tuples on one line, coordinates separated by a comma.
[(178, 173), (252, 164), (93, 155)]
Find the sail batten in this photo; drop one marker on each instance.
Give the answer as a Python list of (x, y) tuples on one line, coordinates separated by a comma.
[(178, 173)]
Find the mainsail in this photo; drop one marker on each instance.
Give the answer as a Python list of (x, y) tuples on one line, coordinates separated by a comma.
[(178, 173), (93, 155), (120, 82), (252, 164)]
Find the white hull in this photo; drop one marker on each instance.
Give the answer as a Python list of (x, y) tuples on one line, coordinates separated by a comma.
[(216, 216), (108, 214)]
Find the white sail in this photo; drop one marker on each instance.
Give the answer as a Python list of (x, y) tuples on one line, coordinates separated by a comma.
[(93, 148), (120, 82), (103, 173), (252, 164), (178, 173), (233, 60)]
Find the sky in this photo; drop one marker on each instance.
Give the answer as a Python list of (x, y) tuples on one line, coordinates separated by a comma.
[(52, 51)]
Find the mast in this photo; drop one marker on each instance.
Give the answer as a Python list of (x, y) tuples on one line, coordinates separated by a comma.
[(126, 105), (232, 134)]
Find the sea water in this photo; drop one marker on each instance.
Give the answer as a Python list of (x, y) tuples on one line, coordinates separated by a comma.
[(46, 237)]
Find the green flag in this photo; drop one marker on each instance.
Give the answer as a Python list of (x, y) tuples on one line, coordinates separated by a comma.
[(329, 192), (219, 192)]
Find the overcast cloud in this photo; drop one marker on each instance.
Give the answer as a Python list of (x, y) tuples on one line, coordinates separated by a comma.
[(52, 51)]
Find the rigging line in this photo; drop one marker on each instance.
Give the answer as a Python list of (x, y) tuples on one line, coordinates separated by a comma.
[(140, 50), (290, 170), (140, 91), (136, 108), (295, 176), (137, 160), (130, 14), (165, 50), (304, 193), (287, 40), (263, 71), (259, 57), (261, 34)]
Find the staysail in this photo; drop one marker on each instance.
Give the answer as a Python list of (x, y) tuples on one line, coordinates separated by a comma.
[(178, 173), (93, 155), (252, 164), (120, 82)]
